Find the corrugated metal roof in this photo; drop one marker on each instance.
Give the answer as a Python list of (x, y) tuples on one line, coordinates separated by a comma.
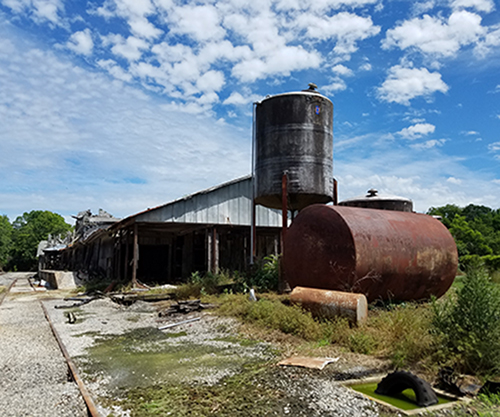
[(229, 203)]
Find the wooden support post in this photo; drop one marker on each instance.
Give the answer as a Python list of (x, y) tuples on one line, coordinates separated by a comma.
[(135, 260), (208, 241), (215, 251)]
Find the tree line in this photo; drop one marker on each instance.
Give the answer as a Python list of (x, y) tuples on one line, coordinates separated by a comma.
[(19, 240), (476, 230)]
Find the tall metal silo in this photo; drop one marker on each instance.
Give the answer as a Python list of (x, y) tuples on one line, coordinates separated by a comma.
[(294, 135)]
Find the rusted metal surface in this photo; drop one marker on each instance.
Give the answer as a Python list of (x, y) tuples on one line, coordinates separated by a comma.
[(93, 412), (294, 133), (382, 202), (331, 304), (382, 254)]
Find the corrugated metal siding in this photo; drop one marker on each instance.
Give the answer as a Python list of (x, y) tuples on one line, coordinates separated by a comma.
[(228, 204)]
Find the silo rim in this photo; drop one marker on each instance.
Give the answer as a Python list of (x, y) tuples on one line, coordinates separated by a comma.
[(295, 93), (382, 197)]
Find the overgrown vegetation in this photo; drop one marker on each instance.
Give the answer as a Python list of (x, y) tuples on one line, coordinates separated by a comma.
[(242, 394), (263, 277), (468, 324)]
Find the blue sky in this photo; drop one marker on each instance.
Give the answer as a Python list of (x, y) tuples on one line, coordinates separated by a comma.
[(127, 104)]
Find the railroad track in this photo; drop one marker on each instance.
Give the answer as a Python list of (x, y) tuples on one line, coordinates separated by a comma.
[(92, 410)]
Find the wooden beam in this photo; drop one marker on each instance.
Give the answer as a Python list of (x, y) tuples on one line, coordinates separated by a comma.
[(135, 260)]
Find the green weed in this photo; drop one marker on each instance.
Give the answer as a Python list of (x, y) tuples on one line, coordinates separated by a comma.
[(468, 325)]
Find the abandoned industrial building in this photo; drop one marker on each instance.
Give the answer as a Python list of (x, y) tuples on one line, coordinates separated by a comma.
[(206, 231)]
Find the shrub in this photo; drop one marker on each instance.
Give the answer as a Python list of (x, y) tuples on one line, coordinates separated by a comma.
[(266, 275), (469, 324), (273, 314)]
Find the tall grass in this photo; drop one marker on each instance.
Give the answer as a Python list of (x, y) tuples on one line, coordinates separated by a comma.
[(401, 334)]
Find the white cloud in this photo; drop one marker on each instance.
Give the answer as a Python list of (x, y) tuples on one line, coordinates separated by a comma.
[(428, 144), (453, 180), (99, 143), (417, 131), (211, 81), (346, 28), (480, 5), (130, 48), (490, 41), (238, 99), (404, 84), (471, 133), (39, 10), (436, 36), (279, 62), (366, 67), (342, 70), (494, 147), (115, 70), (336, 84), (201, 23), (81, 42)]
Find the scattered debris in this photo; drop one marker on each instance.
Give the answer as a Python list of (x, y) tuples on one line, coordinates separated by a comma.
[(252, 296), (457, 384), (168, 326), (129, 299), (185, 307), (71, 317), (80, 301), (307, 362)]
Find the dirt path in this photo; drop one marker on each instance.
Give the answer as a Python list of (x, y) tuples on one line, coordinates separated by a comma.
[(33, 372)]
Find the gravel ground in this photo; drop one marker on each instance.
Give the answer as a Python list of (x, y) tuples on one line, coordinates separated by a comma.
[(33, 372), (311, 393)]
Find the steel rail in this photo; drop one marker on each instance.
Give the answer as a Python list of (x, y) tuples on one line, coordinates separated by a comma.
[(2, 296), (92, 409)]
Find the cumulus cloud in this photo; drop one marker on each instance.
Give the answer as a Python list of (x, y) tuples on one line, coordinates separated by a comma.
[(346, 28), (201, 23), (404, 84), (479, 5), (100, 143), (342, 70), (238, 99), (417, 131), (39, 10), (81, 42), (129, 48), (436, 35)]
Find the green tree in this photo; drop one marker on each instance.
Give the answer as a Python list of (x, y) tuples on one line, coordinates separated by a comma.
[(5, 240), (28, 230), (447, 213), (468, 240)]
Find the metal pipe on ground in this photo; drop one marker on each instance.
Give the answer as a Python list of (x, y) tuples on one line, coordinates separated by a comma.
[(331, 304)]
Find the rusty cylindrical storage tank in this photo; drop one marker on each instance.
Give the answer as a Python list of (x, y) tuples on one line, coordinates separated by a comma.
[(294, 133), (387, 255)]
